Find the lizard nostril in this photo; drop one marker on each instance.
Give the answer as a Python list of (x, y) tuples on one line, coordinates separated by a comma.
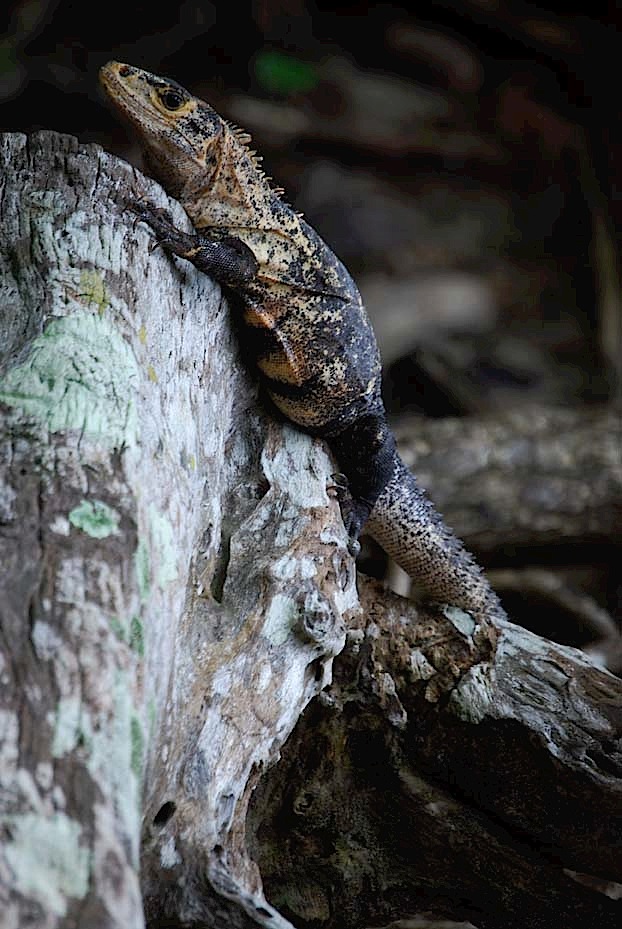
[(124, 70)]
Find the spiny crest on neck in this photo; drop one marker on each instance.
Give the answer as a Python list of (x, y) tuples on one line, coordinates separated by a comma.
[(244, 139), (186, 144)]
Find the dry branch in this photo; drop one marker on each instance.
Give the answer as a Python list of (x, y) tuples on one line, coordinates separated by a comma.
[(531, 477), (175, 577)]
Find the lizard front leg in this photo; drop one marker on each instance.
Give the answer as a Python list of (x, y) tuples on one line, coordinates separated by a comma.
[(228, 259)]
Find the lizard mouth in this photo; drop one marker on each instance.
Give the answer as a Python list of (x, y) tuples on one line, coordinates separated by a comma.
[(130, 90), (181, 146), (132, 103), (111, 77)]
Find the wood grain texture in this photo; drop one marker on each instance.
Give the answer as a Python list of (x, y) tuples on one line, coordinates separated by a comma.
[(174, 587), (164, 618)]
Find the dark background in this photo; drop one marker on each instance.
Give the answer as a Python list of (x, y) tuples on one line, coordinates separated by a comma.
[(463, 161), (467, 155)]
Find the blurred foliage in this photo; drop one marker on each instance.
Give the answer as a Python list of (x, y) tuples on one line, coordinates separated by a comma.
[(283, 74)]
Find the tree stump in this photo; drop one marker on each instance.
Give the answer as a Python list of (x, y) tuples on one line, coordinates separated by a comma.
[(175, 585)]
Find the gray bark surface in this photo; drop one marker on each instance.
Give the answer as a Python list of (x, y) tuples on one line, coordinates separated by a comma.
[(448, 770), (174, 587), (164, 618)]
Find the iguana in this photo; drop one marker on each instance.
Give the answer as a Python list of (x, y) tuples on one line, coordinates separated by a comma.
[(306, 324)]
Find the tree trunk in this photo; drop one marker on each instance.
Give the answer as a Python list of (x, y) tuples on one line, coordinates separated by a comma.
[(175, 584)]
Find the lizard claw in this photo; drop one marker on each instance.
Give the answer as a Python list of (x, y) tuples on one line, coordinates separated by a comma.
[(354, 547), (157, 217), (351, 512), (227, 258), (339, 486), (161, 223)]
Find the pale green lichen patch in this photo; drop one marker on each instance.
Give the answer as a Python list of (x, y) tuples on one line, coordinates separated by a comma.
[(95, 518), (138, 746), (80, 374), (164, 547), (280, 619), (48, 863), (142, 565), (151, 715), (117, 627), (132, 634), (113, 754), (137, 636), (93, 289), (156, 560)]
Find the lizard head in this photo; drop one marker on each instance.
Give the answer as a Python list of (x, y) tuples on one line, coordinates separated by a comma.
[(179, 134)]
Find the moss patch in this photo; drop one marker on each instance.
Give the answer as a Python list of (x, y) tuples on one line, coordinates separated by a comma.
[(95, 518), (48, 862), (80, 374), (138, 745), (142, 565)]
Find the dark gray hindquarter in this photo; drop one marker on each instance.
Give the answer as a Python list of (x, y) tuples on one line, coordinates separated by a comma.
[(340, 396), (317, 355)]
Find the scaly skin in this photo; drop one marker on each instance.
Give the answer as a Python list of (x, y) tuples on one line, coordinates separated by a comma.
[(313, 344)]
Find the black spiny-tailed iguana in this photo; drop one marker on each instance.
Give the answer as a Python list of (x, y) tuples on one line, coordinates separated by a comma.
[(311, 337)]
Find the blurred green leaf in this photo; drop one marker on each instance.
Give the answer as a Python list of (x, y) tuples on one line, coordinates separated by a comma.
[(8, 58), (279, 73)]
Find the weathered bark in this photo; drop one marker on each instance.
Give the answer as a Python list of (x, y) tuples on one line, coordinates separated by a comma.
[(174, 585), (531, 477), (443, 772), (162, 610)]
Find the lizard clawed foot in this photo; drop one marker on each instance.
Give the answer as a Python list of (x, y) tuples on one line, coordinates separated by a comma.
[(226, 258), (150, 214), (167, 234), (353, 512), (353, 524), (340, 486)]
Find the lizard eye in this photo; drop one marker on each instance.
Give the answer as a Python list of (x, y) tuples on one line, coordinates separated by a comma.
[(171, 99)]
